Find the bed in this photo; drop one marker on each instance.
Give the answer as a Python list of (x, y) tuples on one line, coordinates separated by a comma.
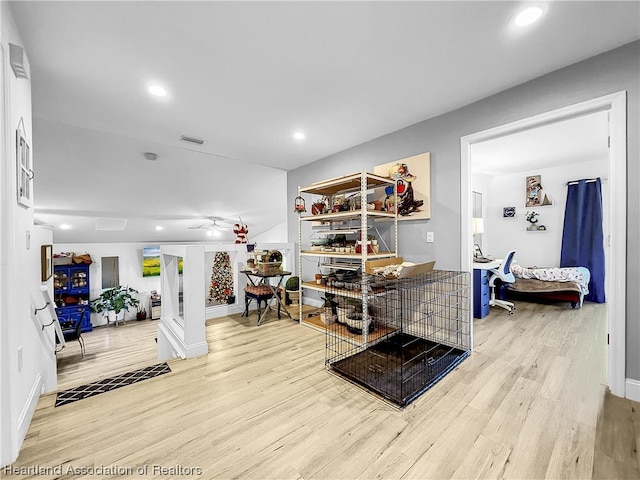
[(566, 284)]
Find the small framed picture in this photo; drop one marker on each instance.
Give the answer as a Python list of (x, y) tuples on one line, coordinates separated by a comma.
[(24, 167), (46, 259), (509, 212)]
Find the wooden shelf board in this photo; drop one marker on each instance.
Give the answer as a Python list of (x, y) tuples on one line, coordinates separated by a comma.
[(314, 322), (377, 334), (333, 290), (349, 214), (343, 292), (313, 286), (354, 256), (345, 184), (341, 330)]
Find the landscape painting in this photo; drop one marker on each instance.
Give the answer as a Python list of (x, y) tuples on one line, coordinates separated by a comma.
[(150, 261)]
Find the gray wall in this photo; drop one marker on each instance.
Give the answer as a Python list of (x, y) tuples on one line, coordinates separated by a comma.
[(607, 73)]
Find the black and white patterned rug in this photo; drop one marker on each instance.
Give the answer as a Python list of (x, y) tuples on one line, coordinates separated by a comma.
[(101, 386)]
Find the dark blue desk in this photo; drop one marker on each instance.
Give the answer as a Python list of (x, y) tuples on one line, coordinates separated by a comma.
[(481, 290)]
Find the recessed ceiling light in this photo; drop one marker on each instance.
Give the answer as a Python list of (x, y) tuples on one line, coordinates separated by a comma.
[(159, 227), (528, 16), (299, 135), (157, 90), (65, 226)]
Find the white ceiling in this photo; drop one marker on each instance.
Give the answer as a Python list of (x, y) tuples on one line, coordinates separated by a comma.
[(576, 140), (245, 75)]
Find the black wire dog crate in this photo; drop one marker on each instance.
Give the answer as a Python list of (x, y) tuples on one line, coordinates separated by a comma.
[(398, 337)]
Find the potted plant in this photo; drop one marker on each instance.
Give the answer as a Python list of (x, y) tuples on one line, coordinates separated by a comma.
[(114, 302), (532, 218), (292, 288), (374, 243), (141, 314)]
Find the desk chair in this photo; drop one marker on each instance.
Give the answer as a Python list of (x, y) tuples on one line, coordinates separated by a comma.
[(75, 333), (503, 272)]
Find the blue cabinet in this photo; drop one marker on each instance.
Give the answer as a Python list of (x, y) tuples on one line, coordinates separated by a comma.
[(71, 295), (481, 293)]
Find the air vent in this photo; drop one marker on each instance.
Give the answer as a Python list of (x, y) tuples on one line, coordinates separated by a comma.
[(16, 57), (193, 140), (110, 223)]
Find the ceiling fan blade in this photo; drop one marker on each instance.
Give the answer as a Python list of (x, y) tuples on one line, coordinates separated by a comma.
[(204, 226), (218, 223)]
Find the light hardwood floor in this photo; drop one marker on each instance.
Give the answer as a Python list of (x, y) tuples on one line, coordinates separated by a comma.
[(530, 402)]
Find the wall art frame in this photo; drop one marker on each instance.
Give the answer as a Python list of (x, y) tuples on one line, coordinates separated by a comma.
[(414, 177), (24, 167), (509, 212), (46, 262)]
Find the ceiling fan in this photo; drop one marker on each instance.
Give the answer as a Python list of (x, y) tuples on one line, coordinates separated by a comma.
[(214, 226)]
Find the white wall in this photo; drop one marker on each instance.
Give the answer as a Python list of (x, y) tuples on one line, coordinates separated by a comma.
[(27, 359), (130, 266), (276, 234), (481, 183), (539, 248)]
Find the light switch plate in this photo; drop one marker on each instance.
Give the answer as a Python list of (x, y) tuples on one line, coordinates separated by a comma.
[(429, 237), (20, 358)]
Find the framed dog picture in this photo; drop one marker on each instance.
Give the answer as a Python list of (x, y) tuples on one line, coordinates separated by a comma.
[(413, 201)]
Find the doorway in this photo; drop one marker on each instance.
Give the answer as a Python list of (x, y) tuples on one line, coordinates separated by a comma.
[(615, 105)]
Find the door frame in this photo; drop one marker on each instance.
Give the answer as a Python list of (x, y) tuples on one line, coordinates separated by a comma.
[(8, 448), (616, 268)]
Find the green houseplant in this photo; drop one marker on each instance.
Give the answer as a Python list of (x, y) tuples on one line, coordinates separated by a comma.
[(292, 287), (114, 302)]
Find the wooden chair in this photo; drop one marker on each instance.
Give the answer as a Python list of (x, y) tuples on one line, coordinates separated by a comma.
[(75, 333), (259, 293)]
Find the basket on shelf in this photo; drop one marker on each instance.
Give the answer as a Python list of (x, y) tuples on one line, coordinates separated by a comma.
[(268, 263), (269, 268)]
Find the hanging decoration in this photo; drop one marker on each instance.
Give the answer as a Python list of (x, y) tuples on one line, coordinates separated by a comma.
[(299, 205), (241, 231), (221, 289)]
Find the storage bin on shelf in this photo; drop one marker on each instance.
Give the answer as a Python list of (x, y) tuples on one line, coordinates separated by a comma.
[(269, 268)]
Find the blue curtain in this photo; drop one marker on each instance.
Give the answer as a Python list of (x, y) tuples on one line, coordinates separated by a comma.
[(582, 238)]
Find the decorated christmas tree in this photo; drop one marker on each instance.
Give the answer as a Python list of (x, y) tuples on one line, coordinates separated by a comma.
[(221, 279)]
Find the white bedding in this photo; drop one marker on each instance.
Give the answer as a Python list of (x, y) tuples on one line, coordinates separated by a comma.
[(580, 275)]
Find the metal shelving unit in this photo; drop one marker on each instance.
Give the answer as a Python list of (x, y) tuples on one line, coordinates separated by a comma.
[(352, 221)]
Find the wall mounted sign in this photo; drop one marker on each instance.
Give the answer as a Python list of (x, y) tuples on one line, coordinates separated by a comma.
[(509, 212)]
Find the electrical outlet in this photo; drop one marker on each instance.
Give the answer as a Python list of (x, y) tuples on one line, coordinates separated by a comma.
[(429, 237)]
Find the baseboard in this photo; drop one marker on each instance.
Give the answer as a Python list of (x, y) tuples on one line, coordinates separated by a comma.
[(24, 420), (222, 310), (313, 302), (632, 390), (172, 345)]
